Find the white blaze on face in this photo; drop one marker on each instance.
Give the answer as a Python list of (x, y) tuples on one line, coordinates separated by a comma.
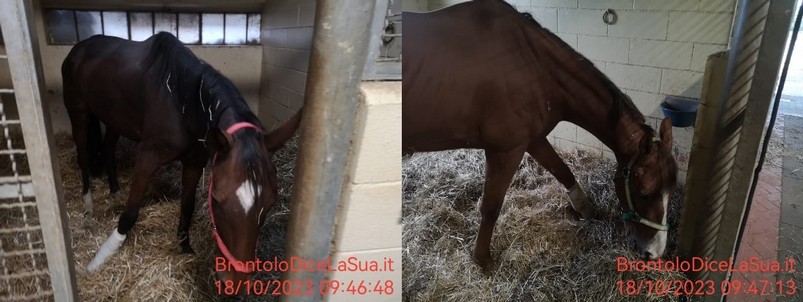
[(657, 245), (246, 194)]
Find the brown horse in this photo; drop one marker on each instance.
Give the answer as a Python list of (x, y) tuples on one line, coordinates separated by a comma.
[(158, 93), (482, 75)]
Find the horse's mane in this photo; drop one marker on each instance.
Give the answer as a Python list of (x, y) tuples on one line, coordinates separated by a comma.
[(621, 101), (202, 94)]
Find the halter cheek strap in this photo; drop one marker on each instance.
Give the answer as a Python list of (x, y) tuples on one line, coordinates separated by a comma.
[(631, 214), (238, 265)]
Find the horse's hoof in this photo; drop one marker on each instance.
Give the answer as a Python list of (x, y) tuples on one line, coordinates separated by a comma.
[(588, 213), (186, 249), (487, 264)]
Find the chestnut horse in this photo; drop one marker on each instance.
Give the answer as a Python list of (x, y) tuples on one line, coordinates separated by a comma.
[(482, 75), (158, 93)]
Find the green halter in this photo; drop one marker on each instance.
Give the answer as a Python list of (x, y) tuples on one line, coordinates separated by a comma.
[(631, 214)]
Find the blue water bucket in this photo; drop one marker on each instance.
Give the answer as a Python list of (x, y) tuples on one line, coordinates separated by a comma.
[(681, 111)]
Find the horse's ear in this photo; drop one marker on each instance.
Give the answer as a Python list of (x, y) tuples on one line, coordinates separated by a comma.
[(220, 141), (276, 139), (666, 133)]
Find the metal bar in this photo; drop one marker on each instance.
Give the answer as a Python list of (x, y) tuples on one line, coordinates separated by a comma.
[(20, 229), (24, 275), (15, 180), (15, 151), (17, 205), (3, 57), (9, 91), (22, 253), (9, 122), (337, 60), (16, 21), (380, 60), (377, 29)]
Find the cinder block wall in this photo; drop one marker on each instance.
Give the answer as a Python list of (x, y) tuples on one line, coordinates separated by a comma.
[(656, 48), (287, 27), (369, 218)]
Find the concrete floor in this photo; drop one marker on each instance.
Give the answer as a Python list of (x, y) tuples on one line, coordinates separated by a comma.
[(791, 210), (792, 96), (791, 213)]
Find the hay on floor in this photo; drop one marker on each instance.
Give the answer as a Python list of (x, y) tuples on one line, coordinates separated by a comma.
[(543, 252), (149, 265)]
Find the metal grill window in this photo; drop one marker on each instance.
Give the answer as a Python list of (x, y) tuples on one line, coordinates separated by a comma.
[(88, 24), (23, 260), (141, 25), (165, 22), (386, 43), (65, 27), (390, 49)]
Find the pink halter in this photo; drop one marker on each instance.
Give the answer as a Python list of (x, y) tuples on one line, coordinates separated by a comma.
[(238, 265)]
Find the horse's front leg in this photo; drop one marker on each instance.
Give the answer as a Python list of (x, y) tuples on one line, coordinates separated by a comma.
[(500, 167), (545, 155), (147, 163), (190, 176)]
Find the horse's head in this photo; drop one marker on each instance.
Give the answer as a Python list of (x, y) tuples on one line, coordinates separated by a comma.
[(242, 189), (644, 187)]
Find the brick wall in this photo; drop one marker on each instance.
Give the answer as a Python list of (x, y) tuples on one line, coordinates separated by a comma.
[(287, 27), (369, 216), (656, 48)]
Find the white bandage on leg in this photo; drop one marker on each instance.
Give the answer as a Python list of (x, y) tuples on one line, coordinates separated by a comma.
[(580, 202), (88, 206), (107, 249)]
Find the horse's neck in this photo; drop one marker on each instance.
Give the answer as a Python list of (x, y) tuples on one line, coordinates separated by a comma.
[(229, 117), (622, 136), (589, 101)]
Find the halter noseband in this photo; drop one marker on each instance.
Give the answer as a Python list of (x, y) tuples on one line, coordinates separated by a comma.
[(630, 214), (238, 265)]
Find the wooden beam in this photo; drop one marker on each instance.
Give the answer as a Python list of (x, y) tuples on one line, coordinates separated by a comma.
[(729, 134), (16, 21)]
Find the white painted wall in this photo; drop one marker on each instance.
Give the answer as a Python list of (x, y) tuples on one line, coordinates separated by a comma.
[(656, 48), (287, 27)]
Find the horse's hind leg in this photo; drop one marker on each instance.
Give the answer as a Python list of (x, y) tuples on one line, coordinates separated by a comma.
[(80, 123), (190, 175), (108, 154), (94, 146), (146, 164), (545, 154), (500, 167)]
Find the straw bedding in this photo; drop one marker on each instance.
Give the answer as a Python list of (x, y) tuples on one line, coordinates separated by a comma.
[(149, 265), (543, 252)]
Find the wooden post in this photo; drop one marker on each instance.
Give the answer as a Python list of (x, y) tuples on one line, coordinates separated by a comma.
[(26, 73), (728, 135)]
